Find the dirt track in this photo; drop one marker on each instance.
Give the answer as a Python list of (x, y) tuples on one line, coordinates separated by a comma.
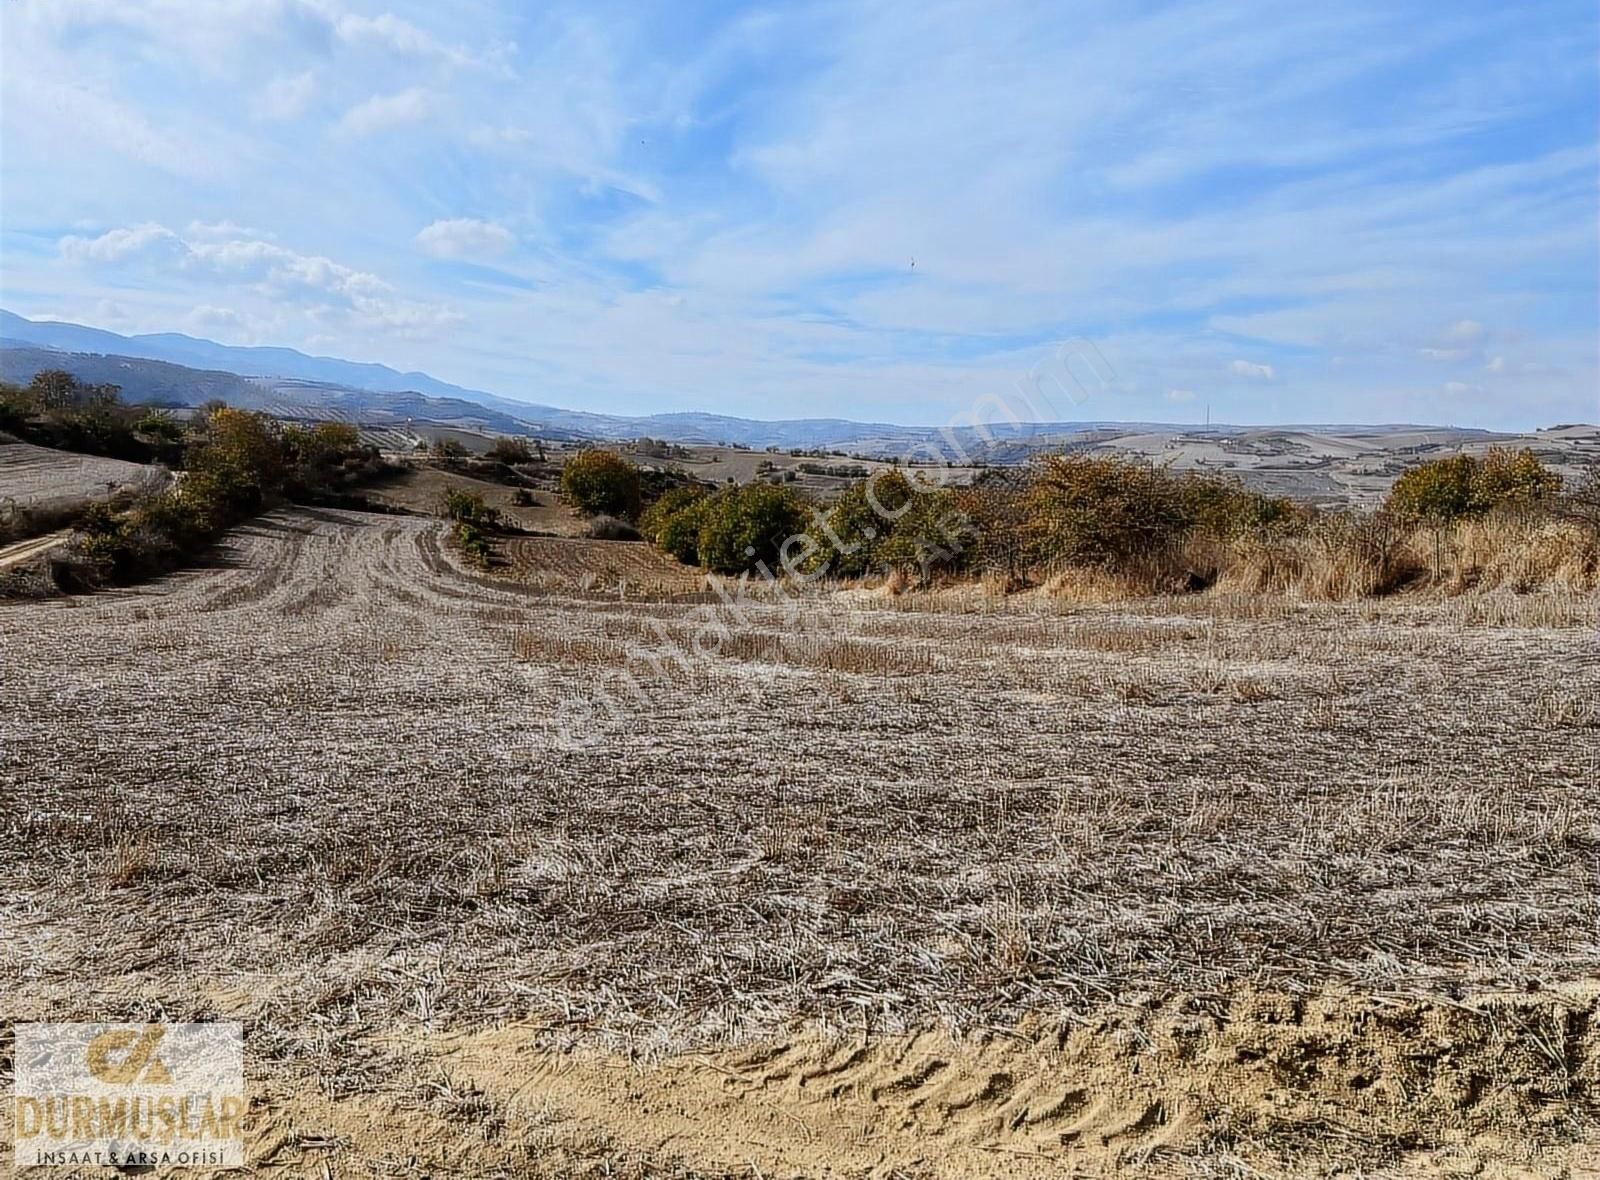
[(323, 787), (25, 551)]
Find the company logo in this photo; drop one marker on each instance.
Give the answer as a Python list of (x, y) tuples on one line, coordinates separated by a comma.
[(129, 1095), (142, 1058)]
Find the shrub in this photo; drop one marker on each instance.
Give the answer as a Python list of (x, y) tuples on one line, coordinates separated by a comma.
[(1101, 510), (1225, 510), (1581, 505), (596, 481), (522, 498), (160, 426), (17, 405), (743, 526), (609, 528), (325, 457), (1461, 487), (511, 450), (932, 535), (474, 542), (447, 448), (850, 535), (243, 450), (1508, 478), (469, 508), (672, 523), (1436, 492)]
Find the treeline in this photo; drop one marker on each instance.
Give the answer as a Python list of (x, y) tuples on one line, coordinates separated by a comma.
[(1116, 523), (231, 464), (57, 410)]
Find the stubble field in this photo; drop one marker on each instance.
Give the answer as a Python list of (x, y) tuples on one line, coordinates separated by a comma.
[(506, 879)]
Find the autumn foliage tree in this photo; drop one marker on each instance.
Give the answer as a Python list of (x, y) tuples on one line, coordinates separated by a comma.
[(596, 481)]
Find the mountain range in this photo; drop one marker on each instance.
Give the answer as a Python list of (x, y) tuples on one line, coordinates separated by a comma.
[(176, 369)]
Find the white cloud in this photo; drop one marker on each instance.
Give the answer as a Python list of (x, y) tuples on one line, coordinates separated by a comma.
[(286, 97), (219, 230), (217, 320), (1461, 341), (118, 245), (466, 238), (311, 281), (393, 33), (1496, 365), (1252, 371), (1180, 395), (384, 112)]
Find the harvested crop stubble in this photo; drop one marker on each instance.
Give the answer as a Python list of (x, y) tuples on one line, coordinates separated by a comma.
[(317, 786)]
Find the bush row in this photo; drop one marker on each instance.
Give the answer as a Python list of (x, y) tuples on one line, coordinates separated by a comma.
[(1126, 519)]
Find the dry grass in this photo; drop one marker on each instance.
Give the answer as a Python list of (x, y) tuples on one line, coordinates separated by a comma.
[(336, 758)]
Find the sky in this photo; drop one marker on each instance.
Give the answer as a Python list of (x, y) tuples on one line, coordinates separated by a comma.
[(895, 211)]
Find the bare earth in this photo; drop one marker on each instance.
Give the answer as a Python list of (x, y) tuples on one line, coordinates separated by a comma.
[(869, 887)]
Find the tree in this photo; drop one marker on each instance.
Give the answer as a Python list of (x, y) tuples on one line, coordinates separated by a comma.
[(852, 532), (672, 523), (596, 481), (243, 450), (932, 535), (746, 526), (55, 389), (1437, 494)]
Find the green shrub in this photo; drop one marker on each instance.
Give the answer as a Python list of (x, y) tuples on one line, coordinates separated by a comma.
[(469, 508), (1437, 492), (474, 542), (743, 526), (596, 481), (933, 535), (1514, 478), (855, 528), (672, 523), (1462, 487)]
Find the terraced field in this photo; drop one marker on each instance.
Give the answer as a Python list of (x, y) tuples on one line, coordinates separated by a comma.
[(511, 879)]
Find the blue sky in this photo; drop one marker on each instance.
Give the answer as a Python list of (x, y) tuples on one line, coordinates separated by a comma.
[(1333, 212)]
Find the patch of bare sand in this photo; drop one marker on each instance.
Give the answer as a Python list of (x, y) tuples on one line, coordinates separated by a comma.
[(1264, 1083)]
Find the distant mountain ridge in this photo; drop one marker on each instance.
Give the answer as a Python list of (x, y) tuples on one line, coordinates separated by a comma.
[(169, 366)]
